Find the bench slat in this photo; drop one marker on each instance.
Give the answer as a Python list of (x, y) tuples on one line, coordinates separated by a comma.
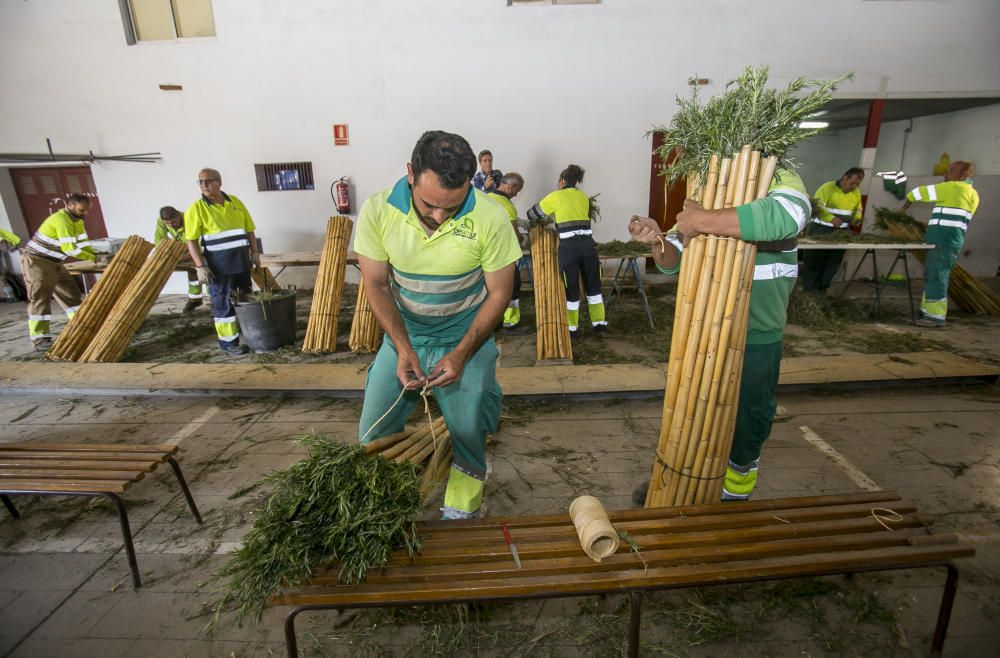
[(657, 577), (95, 486), (159, 448), (630, 560), (91, 456), (77, 464), (498, 549), (669, 512), (721, 520), (76, 476)]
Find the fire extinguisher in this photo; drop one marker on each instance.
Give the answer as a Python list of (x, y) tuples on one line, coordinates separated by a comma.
[(341, 195)]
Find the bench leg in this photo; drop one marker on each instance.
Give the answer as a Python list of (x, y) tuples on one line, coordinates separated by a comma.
[(944, 612), (291, 647), (10, 507), (184, 488), (634, 618), (126, 537)]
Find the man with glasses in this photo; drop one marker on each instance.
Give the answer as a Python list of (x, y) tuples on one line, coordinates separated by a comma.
[(437, 258), (225, 230)]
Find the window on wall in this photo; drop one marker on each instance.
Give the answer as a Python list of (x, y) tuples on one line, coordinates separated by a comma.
[(165, 20), (280, 176)]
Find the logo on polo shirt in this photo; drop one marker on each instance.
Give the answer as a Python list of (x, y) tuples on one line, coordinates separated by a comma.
[(465, 230)]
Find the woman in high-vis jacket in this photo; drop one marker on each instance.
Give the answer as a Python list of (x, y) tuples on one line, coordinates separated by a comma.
[(569, 208), (955, 202)]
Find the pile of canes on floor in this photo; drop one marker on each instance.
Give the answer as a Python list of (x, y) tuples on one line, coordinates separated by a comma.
[(366, 333)]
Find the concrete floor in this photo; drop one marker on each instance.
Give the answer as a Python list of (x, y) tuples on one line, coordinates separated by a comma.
[(64, 581)]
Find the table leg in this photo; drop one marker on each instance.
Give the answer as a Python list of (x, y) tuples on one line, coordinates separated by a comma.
[(636, 273), (850, 279), (617, 284)]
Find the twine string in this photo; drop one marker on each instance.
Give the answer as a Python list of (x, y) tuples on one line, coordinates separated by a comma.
[(666, 467), (425, 392), (883, 514)]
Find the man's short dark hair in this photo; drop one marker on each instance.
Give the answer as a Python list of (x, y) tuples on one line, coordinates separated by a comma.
[(169, 212), (854, 171), (447, 155), (76, 197), (485, 152)]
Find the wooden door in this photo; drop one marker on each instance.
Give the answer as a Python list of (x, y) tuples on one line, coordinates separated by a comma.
[(665, 203), (42, 191)]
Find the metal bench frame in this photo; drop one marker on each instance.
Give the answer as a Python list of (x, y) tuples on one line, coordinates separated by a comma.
[(116, 500)]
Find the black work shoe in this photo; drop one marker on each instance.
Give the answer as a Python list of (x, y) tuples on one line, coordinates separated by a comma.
[(600, 329), (235, 349), (574, 336), (42, 344), (929, 322), (639, 494), (191, 305)]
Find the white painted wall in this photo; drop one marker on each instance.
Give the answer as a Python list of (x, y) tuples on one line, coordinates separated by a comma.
[(541, 86)]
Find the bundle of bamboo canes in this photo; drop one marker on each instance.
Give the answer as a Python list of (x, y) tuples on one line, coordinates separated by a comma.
[(366, 333), (419, 445), (81, 330), (321, 333), (550, 297), (966, 290), (264, 279), (133, 305), (706, 350)]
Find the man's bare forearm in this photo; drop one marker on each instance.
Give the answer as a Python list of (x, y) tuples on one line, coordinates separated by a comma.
[(195, 253), (483, 324)]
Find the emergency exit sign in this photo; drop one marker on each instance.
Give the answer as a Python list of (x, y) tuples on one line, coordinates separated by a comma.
[(340, 134)]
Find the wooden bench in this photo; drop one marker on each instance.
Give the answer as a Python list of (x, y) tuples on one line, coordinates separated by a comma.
[(85, 469), (723, 543)]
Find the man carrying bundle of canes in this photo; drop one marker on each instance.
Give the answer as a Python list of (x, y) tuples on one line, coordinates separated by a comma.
[(772, 223), (437, 259), (170, 226)]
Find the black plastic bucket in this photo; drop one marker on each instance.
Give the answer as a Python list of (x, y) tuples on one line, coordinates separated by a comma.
[(267, 325)]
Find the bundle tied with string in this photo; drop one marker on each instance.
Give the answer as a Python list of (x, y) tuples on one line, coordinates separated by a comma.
[(76, 337), (552, 327), (428, 443), (709, 333), (132, 306), (366, 332), (321, 332)]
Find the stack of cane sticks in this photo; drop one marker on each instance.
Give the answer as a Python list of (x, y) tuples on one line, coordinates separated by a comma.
[(74, 339), (366, 333), (131, 308), (552, 327), (706, 350), (321, 333), (419, 445)]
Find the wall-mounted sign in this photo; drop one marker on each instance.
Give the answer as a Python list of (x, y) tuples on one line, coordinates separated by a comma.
[(340, 134)]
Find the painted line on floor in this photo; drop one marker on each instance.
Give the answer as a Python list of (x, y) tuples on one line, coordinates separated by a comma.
[(839, 460), (191, 427)]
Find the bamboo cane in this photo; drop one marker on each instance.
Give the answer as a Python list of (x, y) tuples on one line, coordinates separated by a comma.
[(80, 331), (751, 190), (131, 308), (711, 183), (766, 174), (321, 332), (722, 189), (741, 178), (552, 340), (264, 279), (366, 333)]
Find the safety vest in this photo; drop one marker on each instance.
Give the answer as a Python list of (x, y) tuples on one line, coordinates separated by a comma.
[(223, 230), (61, 235), (955, 203), (570, 209), (833, 201), (9, 237), (165, 231), (438, 280), (504, 202)]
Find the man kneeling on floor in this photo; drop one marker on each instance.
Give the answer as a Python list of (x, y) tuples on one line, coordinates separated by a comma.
[(437, 258)]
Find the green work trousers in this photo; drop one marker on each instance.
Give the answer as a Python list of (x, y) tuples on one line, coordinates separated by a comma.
[(757, 405), (471, 409)]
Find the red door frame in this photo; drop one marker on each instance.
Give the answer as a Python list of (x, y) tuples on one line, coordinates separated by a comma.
[(42, 191)]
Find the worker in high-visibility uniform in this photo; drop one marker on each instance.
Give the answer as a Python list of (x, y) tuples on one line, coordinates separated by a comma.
[(170, 226), (8, 241), (955, 202), (510, 184), (570, 210), (771, 222), (62, 235), (437, 259), (220, 224), (837, 208)]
